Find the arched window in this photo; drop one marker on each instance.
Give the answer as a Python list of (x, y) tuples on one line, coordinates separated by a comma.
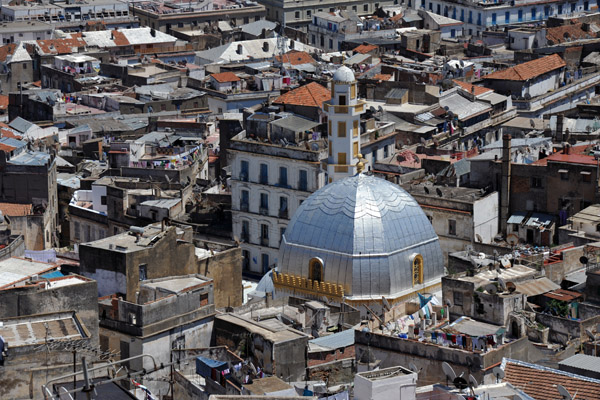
[(315, 272), (417, 269)]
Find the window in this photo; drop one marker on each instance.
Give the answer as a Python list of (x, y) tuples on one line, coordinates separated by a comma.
[(245, 200), (331, 43), (355, 149), (342, 100), (264, 203), (316, 269), (281, 233), (462, 15), (386, 151), (586, 176), (329, 130), (103, 200), (533, 13), (520, 16), (265, 262), (494, 19), (458, 299), (417, 269), (439, 9), (452, 227), (77, 230), (245, 231), (264, 233), (24, 66), (283, 176), (303, 180), (283, 207), (366, 8), (203, 299), (586, 5), (314, 39), (143, 272), (245, 259), (507, 17), (353, 91), (355, 128), (560, 9), (341, 128), (308, 13), (341, 158), (244, 171), (297, 15), (374, 155), (536, 182), (264, 174), (470, 17), (322, 41), (564, 174)]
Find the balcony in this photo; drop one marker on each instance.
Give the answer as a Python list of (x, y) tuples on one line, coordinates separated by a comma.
[(244, 207), (358, 108), (263, 211), (283, 214), (264, 241), (340, 168), (245, 237)]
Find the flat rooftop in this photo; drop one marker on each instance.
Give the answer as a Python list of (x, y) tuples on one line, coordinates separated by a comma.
[(37, 329), (515, 273), (258, 328), (16, 270), (385, 373), (128, 242), (177, 284)]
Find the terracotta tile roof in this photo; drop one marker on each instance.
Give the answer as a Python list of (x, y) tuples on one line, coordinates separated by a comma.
[(469, 87), (6, 51), (397, 17), (529, 70), (574, 157), (382, 77), (60, 46), (16, 210), (540, 382), (296, 57), (37, 83), (564, 33), (3, 102), (311, 95), (225, 77), (119, 38), (365, 48), (6, 148)]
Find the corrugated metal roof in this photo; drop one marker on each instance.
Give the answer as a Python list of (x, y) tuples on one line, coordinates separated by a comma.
[(582, 361), (534, 287), (516, 218), (20, 124), (463, 107), (398, 93), (31, 158), (335, 341), (539, 219), (161, 203)]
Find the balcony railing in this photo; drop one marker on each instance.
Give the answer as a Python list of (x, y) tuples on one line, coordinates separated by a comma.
[(264, 241), (244, 207), (344, 109), (263, 211)]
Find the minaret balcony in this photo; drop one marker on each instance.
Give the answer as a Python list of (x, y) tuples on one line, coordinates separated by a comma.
[(352, 109)]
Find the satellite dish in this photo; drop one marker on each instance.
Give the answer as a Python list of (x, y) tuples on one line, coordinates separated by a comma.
[(564, 392), (491, 288), (413, 368), (386, 304), (498, 373), (502, 284), (63, 394), (591, 334), (448, 371), (583, 260), (439, 192), (460, 383), (511, 287), (473, 381)]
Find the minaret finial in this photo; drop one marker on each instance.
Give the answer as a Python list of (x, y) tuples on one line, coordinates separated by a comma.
[(360, 165)]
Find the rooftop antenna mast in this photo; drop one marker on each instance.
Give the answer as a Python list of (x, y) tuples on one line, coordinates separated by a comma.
[(280, 49)]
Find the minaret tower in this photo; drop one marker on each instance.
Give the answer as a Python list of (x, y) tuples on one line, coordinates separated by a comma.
[(343, 114)]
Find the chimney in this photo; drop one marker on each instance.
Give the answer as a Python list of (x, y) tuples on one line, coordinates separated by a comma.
[(505, 188)]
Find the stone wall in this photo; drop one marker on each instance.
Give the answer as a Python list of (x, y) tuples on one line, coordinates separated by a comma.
[(225, 269)]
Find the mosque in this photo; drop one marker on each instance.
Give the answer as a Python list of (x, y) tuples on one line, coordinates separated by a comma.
[(359, 238)]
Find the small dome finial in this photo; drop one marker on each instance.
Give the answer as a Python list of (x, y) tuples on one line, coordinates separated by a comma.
[(360, 165)]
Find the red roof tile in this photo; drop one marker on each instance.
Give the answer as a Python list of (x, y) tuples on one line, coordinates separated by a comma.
[(365, 48), (226, 77), (119, 38), (60, 46), (311, 95), (16, 210), (296, 57), (540, 382), (564, 33), (382, 77), (6, 148), (529, 70), (469, 87), (574, 157), (7, 50)]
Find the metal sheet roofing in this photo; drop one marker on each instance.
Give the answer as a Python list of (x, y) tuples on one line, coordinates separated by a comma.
[(582, 361), (335, 341), (516, 218), (535, 287), (31, 158), (463, 107)]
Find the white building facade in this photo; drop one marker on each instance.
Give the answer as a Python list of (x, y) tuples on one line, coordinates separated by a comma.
[(268, 184), (477, 16)]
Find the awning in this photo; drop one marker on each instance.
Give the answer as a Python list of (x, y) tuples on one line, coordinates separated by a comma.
[(563, 171), (585, 173)]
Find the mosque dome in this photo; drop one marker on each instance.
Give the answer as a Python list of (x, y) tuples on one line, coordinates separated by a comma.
[(367, 235), (344, 74)]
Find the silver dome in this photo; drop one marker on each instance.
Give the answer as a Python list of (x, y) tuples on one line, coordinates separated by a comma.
[(365, 230), (344, 74)]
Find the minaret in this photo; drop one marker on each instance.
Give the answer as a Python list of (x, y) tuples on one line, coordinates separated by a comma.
[(343, 114)]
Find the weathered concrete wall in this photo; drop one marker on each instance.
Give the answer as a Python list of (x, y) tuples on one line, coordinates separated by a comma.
[(334, 372), (562, 330), (225, 268)]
